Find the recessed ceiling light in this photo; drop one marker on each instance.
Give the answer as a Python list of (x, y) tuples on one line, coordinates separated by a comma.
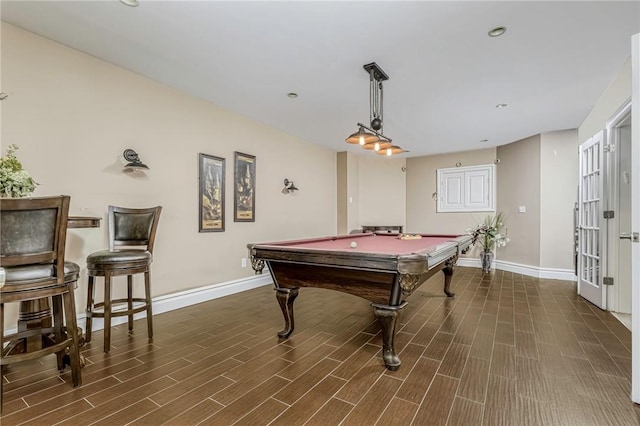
[(497, 31), (292, 95), (502, 105), (130, 3)]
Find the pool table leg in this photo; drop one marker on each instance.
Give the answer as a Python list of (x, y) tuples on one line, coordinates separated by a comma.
[(448, 274), (285, 297), (388, 315)]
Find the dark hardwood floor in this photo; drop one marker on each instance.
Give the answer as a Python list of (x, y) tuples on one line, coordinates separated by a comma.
[(506, 350)]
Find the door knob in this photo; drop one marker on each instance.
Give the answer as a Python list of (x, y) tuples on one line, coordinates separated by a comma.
[(633, 236)]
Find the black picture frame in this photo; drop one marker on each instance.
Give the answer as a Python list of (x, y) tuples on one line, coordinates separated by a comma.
[(211, 172), (244, 187)]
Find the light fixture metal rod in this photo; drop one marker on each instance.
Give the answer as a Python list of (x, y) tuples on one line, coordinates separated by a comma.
[(378, 73), (376, 133)]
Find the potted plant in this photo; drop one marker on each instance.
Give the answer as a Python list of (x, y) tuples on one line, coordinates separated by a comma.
[(489, 235), (15, 181)]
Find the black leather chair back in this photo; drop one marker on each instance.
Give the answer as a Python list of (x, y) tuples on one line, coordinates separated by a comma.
[(133, 227), (33, 235)]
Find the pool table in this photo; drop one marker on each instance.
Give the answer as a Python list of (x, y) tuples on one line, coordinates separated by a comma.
[(382, 268)]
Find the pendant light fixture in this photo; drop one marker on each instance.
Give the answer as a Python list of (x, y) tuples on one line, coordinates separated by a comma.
[(372, 138), (390, 150), (361, 137)]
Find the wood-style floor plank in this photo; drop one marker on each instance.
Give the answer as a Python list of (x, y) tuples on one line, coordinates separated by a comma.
[(331, 413), (506, 350), (398, 412), (303, 409), (374, 402), (437, 403), (465, 413)]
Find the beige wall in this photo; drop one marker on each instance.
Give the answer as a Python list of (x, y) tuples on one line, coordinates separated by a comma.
[(353, 192), (382, 190), (348, 192), (518, 182), (618, 92), (421, 184), (558, 194), (341, 188), (72, 115)]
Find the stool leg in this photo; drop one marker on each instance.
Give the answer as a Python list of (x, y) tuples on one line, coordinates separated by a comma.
[(58, 327), (147, 292), (88, 323), (107, 311), (130, 299), (72, 331)]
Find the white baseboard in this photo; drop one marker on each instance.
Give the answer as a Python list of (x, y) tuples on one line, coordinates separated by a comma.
[(182, 299), (531, 271)]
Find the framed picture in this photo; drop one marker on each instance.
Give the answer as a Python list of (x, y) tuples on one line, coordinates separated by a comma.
[(244, 192), (211, 191)]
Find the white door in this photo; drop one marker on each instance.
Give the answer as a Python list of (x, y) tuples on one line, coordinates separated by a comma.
[(635, 217), (590, 221), (624, 234)]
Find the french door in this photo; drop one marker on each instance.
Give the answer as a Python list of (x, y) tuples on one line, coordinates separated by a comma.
[(635, 217), (591, 225)]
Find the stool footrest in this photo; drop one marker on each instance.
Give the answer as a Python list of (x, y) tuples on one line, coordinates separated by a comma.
[(45, 331), (98, 308), (10, 359)]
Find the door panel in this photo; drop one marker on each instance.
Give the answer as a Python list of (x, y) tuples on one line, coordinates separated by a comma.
[(635, 217), (623, 277), (590, 221)]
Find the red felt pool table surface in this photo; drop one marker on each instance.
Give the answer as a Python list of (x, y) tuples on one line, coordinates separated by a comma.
[(374, 243)]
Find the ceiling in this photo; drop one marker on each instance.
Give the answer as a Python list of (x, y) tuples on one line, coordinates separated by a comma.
[(446, 74)]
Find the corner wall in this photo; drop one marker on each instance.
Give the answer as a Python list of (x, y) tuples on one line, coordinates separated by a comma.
[(518, 182), (558, 194), (348, 192), (382, 189)]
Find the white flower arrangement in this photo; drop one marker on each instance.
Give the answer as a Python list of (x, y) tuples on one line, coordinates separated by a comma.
[(15, 181), (488, 233)]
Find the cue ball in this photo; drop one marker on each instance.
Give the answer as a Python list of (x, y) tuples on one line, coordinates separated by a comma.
[(354, 244)]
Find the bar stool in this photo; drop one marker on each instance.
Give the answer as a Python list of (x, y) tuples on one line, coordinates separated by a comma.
[(32, 247), (133, 231)]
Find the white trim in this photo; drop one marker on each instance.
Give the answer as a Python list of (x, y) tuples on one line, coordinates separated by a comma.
[(635, 218), (182, 299), (531, 271), (546, 273), (625, 319), (611, 268), (469, 262)]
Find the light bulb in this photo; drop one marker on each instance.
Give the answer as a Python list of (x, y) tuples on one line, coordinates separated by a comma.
[(377, 146), (361, 140), (389, 152)]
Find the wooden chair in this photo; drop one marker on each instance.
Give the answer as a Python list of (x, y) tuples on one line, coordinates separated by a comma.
[(32, 243), (132, 234)]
